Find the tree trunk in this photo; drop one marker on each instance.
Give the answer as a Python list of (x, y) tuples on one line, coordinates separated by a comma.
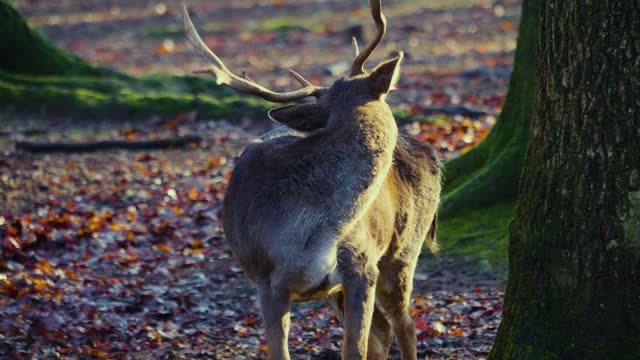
[(25, 51), (488, 174), (574, 252), (37, 76)]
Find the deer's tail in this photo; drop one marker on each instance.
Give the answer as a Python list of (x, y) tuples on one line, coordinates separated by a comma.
[(432, 242)]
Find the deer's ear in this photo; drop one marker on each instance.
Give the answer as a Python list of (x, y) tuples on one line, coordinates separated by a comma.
[(302, 117), (385, 76)]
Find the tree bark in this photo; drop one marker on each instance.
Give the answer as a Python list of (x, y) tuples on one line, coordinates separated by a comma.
[(574, 252), (488, 174)]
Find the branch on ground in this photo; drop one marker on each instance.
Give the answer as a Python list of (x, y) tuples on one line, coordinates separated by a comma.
[(25, 132), (454, 110), (35, 147)]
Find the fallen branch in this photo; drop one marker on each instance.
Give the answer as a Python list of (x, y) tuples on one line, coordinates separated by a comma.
[(26, 132), (454, 110), (107, 145)]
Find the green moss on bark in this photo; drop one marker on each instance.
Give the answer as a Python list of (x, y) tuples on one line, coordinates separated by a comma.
[(632, 222), (105, 98), (481, 234)]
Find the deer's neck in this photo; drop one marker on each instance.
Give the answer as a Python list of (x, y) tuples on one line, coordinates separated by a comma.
[(363, 150)]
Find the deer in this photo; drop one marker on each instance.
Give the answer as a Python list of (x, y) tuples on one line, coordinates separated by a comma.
[(336, 204)]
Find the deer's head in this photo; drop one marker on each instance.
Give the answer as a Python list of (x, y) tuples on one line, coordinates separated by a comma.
[(332, 103)]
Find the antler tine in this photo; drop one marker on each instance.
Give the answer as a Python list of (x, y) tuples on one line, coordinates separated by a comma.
[(299, 78), (356, 48), (381, 25), (246, 76), (225, 77)]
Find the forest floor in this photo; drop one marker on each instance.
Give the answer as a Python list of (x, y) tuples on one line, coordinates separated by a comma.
[(120, 254)]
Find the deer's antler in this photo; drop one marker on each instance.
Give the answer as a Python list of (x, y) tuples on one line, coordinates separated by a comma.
[(356, 48), (381, 25), (299, 78), (243, 84)]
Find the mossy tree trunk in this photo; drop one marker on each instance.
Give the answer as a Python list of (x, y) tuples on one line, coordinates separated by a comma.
[(574, 252), (37, 76), (25, 51), (488, 174)]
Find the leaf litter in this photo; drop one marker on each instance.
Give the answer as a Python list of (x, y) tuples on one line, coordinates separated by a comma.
[(121, 255)]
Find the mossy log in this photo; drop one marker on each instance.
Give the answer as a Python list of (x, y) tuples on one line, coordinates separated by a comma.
[(489, 173), (131, 99)]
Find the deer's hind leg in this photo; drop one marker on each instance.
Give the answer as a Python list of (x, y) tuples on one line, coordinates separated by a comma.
[(359, 285), (394, 293), (276, 314), (380, 335)]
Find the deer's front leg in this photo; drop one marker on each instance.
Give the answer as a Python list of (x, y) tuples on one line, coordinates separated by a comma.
[(380, 335), (276, 313), (359, 304)]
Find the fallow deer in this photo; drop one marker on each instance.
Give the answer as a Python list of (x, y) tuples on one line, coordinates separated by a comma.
[(336, 206)]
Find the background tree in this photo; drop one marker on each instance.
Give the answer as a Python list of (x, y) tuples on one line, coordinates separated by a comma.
[(27, 52), (36, 74), (481, 186), (574, 269), (488, 174)]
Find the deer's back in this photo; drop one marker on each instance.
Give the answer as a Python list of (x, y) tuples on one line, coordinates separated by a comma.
[(402, 215), (282, 221), (417, 171)]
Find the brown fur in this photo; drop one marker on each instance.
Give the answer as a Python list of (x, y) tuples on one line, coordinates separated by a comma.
[(337, 207), (340, 212)]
